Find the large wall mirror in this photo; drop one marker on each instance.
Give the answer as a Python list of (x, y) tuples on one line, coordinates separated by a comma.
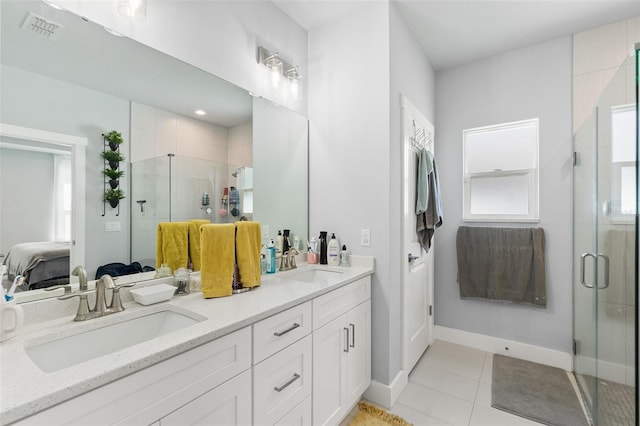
[(82, 80)]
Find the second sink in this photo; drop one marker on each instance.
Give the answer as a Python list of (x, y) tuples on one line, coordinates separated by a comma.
[(71, 350), (317, 275)]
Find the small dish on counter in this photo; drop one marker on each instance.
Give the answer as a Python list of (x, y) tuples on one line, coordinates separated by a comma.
[(153, 294)]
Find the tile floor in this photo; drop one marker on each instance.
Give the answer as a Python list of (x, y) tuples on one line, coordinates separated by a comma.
[(451, 386)]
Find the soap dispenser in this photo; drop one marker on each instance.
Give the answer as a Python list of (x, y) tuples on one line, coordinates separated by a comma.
[(333, 251), (271, 258)]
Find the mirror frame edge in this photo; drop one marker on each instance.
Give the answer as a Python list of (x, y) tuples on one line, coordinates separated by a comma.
[(78, 158)]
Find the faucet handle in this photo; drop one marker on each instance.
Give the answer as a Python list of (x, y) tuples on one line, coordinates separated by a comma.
[(116, 302), (67, 288), (78, 293)]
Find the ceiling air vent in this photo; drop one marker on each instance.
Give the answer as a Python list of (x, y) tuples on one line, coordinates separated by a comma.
[(42, 26)]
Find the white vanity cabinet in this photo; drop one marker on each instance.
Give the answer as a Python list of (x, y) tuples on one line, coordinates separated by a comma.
[(282, 348), (341, 350), (192, 383)]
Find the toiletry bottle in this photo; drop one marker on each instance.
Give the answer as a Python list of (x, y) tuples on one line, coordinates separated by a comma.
[(323, 247), (313, 245), (271, 259), (296, 242), (286, 243), (279, 242), (333, 251), (344, 256)]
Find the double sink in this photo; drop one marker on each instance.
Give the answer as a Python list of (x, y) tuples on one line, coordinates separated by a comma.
[(53, 354)]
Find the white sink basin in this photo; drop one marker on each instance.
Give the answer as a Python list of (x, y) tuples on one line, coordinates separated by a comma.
[(71, 350), (317, 275)]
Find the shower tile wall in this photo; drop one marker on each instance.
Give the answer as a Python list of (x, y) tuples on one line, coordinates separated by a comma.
[(597, 54), (206, 155)]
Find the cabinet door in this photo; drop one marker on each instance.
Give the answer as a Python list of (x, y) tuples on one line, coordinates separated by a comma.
[(228, 404), (359, 355), (329, 372)]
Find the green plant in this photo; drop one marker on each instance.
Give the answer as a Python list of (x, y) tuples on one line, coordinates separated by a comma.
[(113, 174), (112, 155), (113, 195), (114, 137)]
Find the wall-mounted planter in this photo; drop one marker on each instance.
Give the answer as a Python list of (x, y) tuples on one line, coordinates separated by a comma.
[(113, 139), (112, 157)]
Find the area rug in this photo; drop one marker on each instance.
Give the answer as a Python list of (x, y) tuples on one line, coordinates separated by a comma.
[(535, 391), (372, 415)]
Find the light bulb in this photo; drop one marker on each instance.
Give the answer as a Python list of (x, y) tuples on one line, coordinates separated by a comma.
[(295, 89)]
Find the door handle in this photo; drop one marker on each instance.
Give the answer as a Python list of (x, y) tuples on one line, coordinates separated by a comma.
[(606, 271), (412, 257), (582, 268)]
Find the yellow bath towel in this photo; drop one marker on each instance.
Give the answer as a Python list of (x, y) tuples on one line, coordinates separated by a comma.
[(248, 244), (216, 273), (194, 241), (172, 245)]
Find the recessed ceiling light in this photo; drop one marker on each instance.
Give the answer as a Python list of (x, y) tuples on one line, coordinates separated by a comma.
[(200, 112)]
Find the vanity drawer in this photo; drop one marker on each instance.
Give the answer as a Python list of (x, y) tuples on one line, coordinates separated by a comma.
[(300, 415), (281, 382), (279, 331), (331, 305)]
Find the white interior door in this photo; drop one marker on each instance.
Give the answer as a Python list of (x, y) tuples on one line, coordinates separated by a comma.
[(417, 277)]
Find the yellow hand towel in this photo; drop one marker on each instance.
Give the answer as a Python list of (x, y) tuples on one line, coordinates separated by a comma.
[(172, 245), (194, 241), (216, 273), (248, 243)]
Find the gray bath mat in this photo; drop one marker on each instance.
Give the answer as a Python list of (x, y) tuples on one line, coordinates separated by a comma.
[(535, 391)]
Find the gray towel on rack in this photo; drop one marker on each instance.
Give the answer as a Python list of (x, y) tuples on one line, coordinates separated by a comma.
[(619, 246), (428, 202), (506, 264)]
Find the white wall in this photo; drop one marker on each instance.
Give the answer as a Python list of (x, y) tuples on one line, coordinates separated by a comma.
[(411, 75), (219, 37), (26, 190), (355, 150), (526, 83), (240, 145)]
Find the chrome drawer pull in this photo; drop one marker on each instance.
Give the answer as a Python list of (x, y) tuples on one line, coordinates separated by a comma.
[(282, 333), (346, 347), (353, 336), (295, 377)]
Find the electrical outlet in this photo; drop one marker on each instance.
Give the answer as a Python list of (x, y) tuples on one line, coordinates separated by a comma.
[(112, 226), (265, 231), (365, 237)]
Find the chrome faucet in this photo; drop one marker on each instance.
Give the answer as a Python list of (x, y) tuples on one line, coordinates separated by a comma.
[(100, 308), (289, 260)]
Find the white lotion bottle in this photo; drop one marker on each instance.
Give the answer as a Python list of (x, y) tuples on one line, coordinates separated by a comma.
[(333, 251)]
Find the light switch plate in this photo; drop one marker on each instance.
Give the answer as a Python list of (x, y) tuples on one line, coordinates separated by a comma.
[(112, 226), (365, 237)]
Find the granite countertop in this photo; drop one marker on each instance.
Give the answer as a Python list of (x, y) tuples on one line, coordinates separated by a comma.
[(25, 389)]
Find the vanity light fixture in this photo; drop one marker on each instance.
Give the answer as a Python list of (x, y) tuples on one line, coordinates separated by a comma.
[(279, 68), (135, 10), (294, 78)]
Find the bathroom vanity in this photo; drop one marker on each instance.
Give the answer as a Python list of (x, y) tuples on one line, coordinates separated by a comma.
[(296, 350)]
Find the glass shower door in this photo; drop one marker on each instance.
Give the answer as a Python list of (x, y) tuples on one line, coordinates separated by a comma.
[(605, 205)]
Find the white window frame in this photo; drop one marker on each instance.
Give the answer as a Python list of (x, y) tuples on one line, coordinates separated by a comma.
[(533, 173), (612, 209)]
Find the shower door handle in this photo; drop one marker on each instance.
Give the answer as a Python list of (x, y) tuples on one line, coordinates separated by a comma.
[(582, 268), (606, 271)]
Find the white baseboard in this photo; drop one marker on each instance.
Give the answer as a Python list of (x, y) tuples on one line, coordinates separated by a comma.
[(506, 347), (386, 395)]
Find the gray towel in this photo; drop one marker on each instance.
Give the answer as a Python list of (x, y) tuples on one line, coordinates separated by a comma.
[(428, 202), (619, 246), (506, 264)]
